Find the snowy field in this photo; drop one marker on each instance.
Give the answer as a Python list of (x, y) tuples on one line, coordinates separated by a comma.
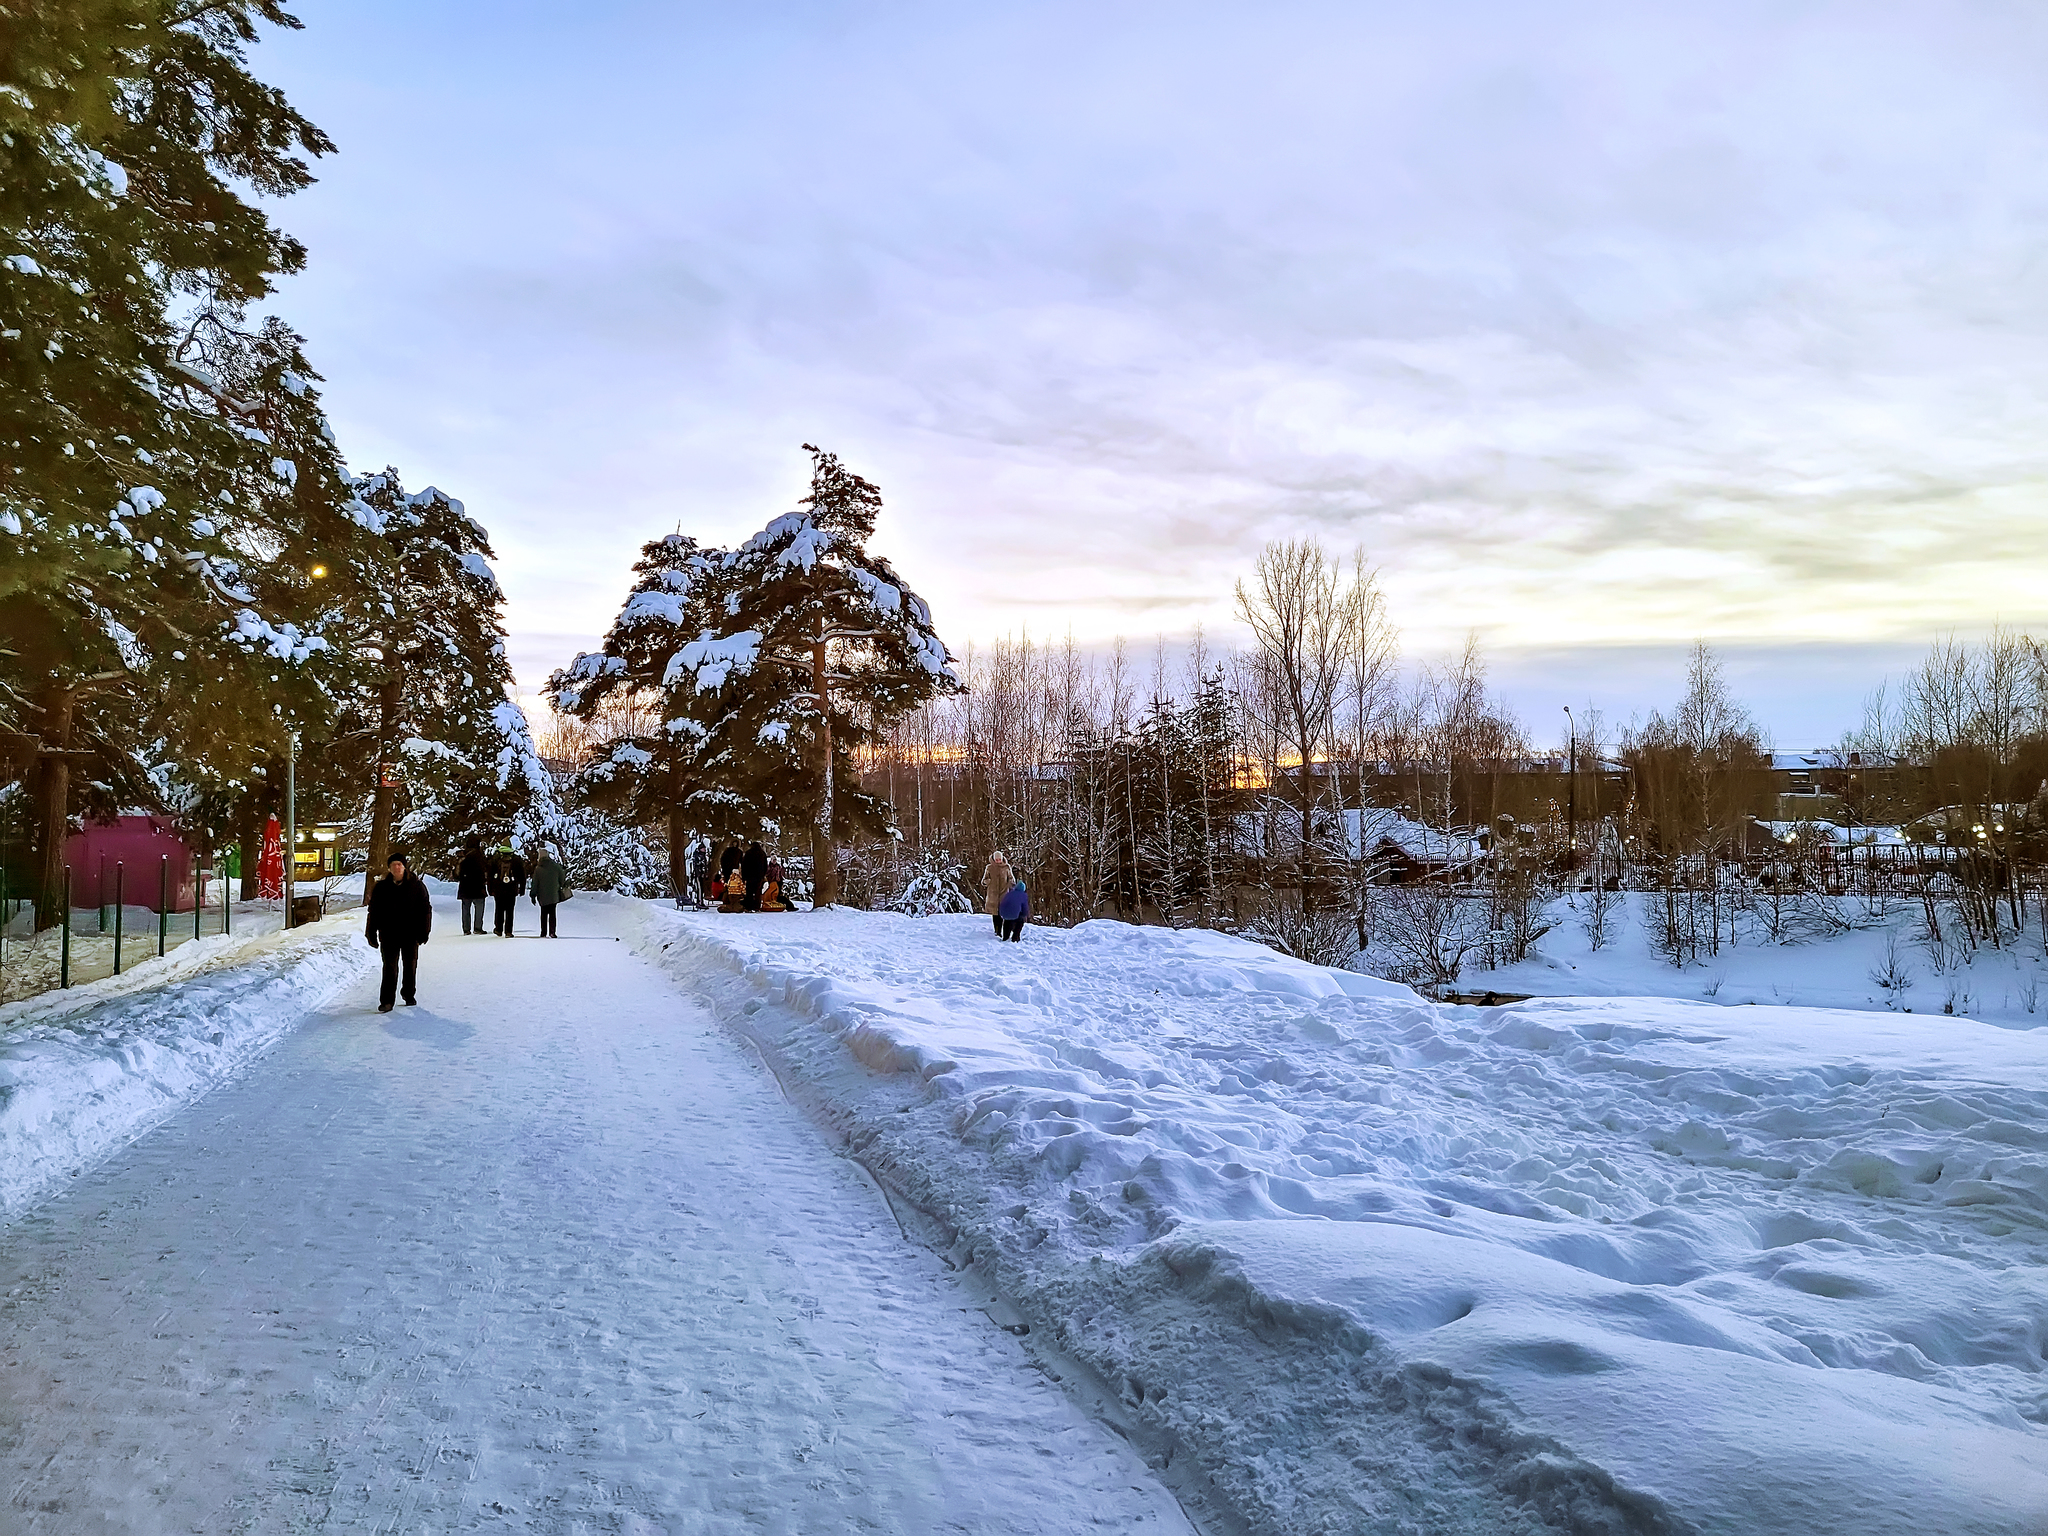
[(1837, 970), (1366, 1262)]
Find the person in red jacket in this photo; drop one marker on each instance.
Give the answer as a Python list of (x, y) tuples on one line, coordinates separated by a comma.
[(401, 917)]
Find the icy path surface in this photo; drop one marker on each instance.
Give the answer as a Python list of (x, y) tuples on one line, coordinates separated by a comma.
[(548, 1253)]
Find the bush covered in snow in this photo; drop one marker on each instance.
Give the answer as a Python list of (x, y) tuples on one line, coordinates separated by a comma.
[(935, 885)]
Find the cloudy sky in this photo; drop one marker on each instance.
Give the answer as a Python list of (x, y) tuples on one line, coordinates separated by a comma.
[(1601, 328)]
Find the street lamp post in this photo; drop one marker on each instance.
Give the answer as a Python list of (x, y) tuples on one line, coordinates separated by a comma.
[(291, 826)]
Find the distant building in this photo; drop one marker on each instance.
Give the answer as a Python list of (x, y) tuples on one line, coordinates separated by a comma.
[(135, 851)]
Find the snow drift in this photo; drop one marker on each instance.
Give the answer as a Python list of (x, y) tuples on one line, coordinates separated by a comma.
[(1583, 1264), (86, 1071)]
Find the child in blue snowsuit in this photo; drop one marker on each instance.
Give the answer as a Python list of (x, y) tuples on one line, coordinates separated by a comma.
[(1015, 907)]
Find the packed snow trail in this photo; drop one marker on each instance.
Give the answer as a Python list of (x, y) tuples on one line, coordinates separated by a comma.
[(547, 1253)]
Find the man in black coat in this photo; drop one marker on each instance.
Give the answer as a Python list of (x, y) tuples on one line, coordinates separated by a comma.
[(754, 873), (472, 878), (401, 917), (507, 884)]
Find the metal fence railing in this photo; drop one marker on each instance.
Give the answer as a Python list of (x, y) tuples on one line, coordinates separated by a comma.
[(88, 944)]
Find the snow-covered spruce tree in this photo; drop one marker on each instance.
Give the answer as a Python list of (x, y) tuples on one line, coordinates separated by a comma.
[(937, 884), (818, 646), (328, 579), (644, 777), (126, 601), (431, 703)]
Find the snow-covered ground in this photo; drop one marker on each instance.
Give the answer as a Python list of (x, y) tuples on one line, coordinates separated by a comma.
[(85, 1070), (1609, 1264), (2007, 985), (546, 1254)]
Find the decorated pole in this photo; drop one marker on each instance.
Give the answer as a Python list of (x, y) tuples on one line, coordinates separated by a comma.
[(291, 828), (270, 863)]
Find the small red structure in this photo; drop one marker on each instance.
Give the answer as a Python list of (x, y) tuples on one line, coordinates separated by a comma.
[(139, 845)]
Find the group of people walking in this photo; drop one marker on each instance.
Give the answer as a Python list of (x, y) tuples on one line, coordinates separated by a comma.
[(503, 877), (401, 911)]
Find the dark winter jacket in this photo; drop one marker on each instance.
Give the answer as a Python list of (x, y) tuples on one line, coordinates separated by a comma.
[(401, 911), (1016, 903), (700, 862), (549, 880), (754, 867), (471, 876), (508, 875), (729, 861)]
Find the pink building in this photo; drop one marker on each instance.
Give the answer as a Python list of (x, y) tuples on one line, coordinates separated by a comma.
[(139, 845)]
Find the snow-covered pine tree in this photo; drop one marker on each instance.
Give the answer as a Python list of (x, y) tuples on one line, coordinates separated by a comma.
[(432, 708), (644, 777), (328, 579), (126, 604), (817, 647)]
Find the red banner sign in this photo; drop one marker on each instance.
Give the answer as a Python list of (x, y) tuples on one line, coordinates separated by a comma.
[(270, 863)]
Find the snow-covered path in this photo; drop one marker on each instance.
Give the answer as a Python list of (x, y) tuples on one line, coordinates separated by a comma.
[(547, 1253)]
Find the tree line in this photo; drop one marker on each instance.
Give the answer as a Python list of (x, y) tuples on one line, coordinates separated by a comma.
[(1311, 792), (192, 582)]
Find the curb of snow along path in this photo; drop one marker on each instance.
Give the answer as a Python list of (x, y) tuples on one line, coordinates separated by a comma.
[(86, 1071), (1370, 1262)]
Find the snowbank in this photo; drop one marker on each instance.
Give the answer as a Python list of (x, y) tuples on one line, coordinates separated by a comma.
[(1602, 1265), (85, 1071)]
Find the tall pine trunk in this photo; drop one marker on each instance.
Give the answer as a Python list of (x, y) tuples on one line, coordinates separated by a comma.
[(249, 849), (678, 849), (52, 804), (824, 850)]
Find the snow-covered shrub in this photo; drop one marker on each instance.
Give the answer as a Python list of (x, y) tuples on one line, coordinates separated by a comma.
[(934, 885), (864, 882), (601, 855), (1423, 932), (1893, 975), (1326, 937)]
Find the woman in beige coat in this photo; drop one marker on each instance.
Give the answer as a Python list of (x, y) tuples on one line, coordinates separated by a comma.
[(996, 881)]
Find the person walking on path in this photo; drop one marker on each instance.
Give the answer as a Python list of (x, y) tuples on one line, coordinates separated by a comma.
[(472, 883), (550, 884), (1011, 912), (401, 917), (754, 874), (996, 881), (507, 882)]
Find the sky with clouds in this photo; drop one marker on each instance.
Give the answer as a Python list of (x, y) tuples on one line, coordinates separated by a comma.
[(1600, 327)]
